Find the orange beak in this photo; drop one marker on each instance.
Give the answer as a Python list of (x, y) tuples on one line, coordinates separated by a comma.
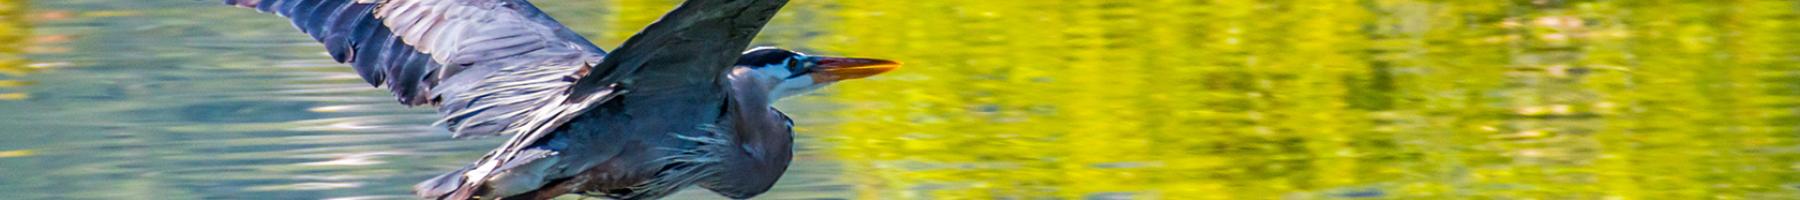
[(833, 69)]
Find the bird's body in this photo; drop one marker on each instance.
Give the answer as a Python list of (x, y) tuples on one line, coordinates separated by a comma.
[(679, 104)]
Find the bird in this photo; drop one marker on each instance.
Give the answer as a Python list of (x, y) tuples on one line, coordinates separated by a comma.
[(684, 102)]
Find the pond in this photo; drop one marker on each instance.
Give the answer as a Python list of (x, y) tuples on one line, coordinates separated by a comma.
[(1197, 99)]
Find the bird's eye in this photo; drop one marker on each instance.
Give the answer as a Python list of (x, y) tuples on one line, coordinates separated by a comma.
[(797, 65)]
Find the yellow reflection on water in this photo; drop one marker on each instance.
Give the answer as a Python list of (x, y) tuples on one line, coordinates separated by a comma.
[(14, 35), (629, 16), (16, 153), (1319, 99)]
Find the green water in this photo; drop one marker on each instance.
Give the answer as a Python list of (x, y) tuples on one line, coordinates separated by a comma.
[(1156, 99)]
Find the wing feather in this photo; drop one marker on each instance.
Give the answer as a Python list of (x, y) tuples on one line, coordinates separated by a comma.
[(441, 51)]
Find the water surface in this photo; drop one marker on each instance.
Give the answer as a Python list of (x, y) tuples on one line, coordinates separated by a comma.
[(1287, 99)]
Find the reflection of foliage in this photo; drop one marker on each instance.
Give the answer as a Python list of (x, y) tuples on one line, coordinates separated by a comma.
[(1246, 99), (14, 33)]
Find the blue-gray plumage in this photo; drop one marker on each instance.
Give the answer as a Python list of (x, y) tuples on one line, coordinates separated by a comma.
[(675, 105)]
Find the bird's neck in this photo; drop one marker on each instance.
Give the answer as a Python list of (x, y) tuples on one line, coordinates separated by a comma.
[(761, 140)]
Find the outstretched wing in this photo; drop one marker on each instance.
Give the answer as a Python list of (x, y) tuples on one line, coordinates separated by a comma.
[(485, 61)]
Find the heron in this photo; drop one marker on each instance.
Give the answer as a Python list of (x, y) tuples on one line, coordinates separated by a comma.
[(684, 102)]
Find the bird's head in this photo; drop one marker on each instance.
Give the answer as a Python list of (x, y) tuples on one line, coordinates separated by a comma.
[(796, 73)]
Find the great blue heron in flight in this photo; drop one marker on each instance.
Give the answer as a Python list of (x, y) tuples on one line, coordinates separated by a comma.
[(681, 103)]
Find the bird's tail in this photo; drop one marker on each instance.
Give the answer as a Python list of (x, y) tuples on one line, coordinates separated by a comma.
[(442, 185)]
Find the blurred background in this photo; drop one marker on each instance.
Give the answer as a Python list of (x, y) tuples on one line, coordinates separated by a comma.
[(1077, 99)]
